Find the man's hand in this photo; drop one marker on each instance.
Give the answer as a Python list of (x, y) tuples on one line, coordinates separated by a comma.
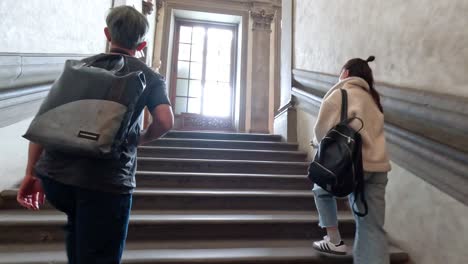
[(31, 194)]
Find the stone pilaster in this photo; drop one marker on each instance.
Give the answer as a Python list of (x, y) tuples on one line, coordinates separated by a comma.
[(286, 120), (159, 6), (260, 69)]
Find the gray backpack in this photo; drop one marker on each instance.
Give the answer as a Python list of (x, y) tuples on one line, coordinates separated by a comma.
[(90, 108)]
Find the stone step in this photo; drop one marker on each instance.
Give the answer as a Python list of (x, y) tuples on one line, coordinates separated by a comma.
[(47, 226), (222, 166), (224, 144), (190, 180), (210, 252), (222, 136), (223, 154), (184, 199)]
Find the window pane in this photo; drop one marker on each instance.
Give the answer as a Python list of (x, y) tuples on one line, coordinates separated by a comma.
[(185, 34), (194, 105), (181, 105), (219, 55), (218, 72), (225, 73), (217, 97), (198, 35), (219, 43), (184, 52), (223, 35), (182, 87), (212, 70), (225, 54), (197, 53), (195, 88), (183, 69), (196, 70)]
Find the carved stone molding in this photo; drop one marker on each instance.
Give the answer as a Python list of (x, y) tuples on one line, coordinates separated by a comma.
[(25, 80), (427, 133), (159, 6), (439, 117), (262, 19), (199, 122), (148, 7)]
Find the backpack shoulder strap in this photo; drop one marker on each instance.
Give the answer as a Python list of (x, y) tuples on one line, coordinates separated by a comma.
[(141, 103), (344, 105)]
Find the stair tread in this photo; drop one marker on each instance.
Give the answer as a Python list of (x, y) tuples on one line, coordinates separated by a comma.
[(206, 251), (226, 192), (201, 174), (225, 141), (301, 163), (200, 192), (188, 132), (224, 135), (226, 150), (52, 217)]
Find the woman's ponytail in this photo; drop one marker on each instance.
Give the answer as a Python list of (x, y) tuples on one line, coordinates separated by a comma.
[(360, 68)]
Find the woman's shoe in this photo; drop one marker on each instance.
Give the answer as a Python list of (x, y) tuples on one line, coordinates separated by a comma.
[(328, 247)]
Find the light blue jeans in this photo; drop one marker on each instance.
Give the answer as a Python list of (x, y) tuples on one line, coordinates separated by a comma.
[(370, 243)]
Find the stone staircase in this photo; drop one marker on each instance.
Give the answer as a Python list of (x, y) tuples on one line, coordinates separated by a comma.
[(201, 198)]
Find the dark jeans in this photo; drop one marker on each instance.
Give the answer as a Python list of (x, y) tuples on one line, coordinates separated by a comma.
[(97, 222)]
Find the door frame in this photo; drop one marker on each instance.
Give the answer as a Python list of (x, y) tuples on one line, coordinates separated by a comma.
[(178, 23)]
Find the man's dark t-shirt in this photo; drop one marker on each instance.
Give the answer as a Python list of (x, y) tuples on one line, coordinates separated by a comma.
[(109, 175)]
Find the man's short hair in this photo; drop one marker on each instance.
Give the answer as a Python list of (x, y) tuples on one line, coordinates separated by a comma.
[(127, 26)]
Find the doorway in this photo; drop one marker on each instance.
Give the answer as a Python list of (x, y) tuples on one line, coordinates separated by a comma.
[(204, 75)]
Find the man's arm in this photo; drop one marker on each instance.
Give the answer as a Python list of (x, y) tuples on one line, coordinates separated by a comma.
[(163, 121), (30, 193), (34, 152)]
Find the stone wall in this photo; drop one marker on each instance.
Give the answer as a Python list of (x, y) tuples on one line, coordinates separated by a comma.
[(425, 222), (14, 154), (45, 27), (50, 26), (419, 45), (430, 225)]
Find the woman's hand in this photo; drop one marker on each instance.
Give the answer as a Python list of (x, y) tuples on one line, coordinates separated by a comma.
[(31, 194)]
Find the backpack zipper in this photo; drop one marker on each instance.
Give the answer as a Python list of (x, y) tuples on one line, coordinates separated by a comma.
[(329, 171), (343, 135)]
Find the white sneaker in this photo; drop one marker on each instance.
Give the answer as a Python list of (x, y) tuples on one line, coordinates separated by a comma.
[(328, 247)]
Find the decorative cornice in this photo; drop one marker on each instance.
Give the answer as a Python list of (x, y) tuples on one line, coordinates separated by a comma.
[(18, 70), (262, 19), (25, 80), (439, 117), (427, 132), (148, 7), (159, 6), (247, 3)]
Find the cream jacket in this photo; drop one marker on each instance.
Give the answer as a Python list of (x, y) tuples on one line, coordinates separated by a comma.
[(362, 105)]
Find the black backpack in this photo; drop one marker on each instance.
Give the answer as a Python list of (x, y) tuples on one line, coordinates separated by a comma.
[(337, 166)]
